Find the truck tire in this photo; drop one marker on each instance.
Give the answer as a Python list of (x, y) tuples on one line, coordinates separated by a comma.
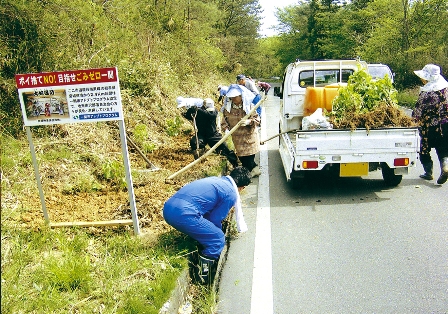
[(297, 180), (390, 178)]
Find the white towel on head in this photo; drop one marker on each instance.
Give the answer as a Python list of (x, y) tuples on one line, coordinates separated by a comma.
[(245, 93), (189, 102)]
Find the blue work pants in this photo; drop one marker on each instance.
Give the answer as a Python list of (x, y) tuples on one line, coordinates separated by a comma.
[(206, 229)]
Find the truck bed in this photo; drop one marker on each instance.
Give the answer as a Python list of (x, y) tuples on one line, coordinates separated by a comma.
[(340, 146), (337, 141)]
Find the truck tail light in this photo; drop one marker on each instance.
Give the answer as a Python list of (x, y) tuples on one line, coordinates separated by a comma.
[(310, 164), (401, 162)]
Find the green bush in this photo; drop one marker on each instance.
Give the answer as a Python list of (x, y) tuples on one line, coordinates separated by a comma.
[(141, 136), (174, 126), (408, 98)]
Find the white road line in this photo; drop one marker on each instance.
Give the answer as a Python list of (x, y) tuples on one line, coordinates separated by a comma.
[(262, 295)]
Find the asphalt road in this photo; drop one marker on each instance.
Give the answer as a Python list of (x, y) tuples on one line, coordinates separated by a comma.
[(347, 246)]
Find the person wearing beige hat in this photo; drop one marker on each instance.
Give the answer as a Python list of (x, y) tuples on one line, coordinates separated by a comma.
[(431, 112)]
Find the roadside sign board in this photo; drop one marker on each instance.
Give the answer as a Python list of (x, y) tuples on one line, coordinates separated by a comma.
[(91, 95)]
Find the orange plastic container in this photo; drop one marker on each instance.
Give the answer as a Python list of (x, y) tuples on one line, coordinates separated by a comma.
[(319, 97)]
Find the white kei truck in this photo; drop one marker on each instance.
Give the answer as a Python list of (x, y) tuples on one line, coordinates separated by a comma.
[(308, 85)]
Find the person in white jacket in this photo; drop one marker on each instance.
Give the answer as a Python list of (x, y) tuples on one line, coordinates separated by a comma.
[(198, 210)]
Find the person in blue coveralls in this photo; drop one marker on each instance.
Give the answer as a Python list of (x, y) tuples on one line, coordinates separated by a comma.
[(198, 210)]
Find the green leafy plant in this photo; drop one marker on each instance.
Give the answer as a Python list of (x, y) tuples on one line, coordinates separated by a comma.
[(365, 103), (174, 126), (113, 171), (141, 135), (362, 94)]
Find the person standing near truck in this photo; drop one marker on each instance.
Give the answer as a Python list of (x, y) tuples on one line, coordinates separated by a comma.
[(245, 138), (264, 87), (241, 79), (431, 112)]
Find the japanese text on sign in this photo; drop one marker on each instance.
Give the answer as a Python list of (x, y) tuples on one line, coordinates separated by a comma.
[(66, 78), (72, 96)]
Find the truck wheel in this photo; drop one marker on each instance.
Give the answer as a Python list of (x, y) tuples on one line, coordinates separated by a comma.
[(297, 181), (390, 178)]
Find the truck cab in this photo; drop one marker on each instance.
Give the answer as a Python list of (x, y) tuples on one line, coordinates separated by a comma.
[(379, 71)]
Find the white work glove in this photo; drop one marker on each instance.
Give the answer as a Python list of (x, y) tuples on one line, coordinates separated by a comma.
[(247, 122), (226, 131)]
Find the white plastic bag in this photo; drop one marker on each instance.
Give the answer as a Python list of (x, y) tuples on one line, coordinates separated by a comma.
[(316, 121)]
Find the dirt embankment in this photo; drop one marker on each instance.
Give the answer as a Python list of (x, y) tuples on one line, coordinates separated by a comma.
[(151, 190)]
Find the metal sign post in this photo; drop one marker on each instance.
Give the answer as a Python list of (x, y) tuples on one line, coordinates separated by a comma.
[(127, 168), (36, 174)]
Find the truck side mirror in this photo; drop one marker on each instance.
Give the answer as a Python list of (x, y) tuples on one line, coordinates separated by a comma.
[(276, 90)]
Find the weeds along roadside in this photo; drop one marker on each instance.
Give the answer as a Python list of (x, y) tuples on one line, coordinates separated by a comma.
[(89, 270), (73, 270)]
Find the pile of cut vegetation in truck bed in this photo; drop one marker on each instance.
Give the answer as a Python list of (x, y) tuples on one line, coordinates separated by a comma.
[(365, 103), (382, 116)]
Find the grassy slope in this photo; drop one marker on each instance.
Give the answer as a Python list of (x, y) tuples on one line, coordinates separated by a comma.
[(106, 270)]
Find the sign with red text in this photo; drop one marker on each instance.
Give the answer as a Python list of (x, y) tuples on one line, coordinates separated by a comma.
[(91, 95)]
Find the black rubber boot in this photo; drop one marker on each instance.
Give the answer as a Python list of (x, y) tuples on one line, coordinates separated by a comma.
[(206, 270), (444, 171), (427, 166), (230, 155), (232, 158)]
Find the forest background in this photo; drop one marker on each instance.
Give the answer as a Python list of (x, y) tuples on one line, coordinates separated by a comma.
[(162, 49), (166, 48)]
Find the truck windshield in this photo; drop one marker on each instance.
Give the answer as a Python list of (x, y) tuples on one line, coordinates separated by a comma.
[(323, 77), (379, 71)]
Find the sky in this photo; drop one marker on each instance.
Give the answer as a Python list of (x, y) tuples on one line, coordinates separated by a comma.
[(269, 19)]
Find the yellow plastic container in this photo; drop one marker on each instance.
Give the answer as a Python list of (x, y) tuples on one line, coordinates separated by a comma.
[(319, 97)]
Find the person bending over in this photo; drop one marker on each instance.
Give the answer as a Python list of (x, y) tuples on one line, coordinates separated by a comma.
[(198, 210)]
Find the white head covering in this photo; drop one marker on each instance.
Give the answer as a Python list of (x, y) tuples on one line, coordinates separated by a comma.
[(239, 216), (189, 102), (236, 90), (431, 73), (180, 101), (209, 104)]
